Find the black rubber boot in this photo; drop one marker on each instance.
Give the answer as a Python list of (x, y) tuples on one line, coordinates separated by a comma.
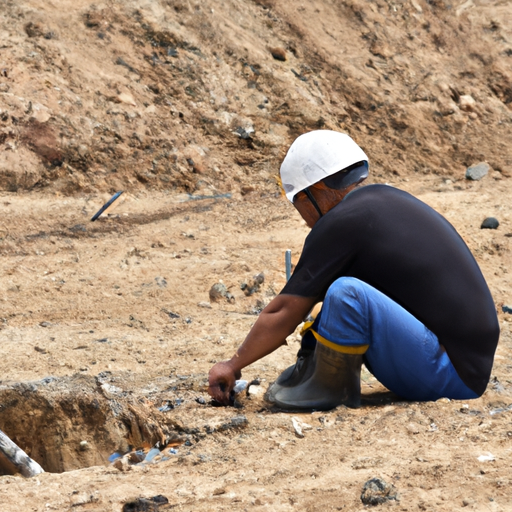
[(335, 380), (295, 374), (301, 370)]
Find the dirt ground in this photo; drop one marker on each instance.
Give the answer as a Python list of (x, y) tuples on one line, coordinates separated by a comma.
[(108, 330)]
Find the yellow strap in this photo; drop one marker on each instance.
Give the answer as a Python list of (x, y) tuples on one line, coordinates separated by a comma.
[(306, 327), (344, 349)]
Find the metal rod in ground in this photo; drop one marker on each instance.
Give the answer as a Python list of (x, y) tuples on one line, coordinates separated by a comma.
[(106, 205), (288, 263), (14, 460)]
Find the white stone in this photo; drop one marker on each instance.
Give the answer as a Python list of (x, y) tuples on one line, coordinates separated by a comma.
[(467, 103)]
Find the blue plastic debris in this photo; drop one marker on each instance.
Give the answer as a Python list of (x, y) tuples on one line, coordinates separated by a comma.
[(151, 454), (115, 456), (167, 407)]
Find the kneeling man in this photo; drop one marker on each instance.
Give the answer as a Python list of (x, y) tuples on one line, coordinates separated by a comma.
[(400, 289)]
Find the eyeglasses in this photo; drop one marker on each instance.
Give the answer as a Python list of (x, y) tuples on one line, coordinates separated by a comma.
[(313, 201)]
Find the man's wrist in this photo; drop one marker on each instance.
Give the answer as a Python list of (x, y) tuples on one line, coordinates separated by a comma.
[(234, 363)]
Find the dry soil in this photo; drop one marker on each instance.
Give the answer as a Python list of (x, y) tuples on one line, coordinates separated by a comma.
[(107, 330)]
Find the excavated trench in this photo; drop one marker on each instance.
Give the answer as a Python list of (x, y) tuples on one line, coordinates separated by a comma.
[(76, 422)]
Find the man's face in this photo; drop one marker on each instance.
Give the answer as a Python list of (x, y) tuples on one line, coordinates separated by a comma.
[(325, 197), (306, 208)]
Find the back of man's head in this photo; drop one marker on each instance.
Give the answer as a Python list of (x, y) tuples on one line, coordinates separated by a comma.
[(317, 155)]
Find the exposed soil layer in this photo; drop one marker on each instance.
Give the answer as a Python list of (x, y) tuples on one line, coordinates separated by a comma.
[(78, 422)]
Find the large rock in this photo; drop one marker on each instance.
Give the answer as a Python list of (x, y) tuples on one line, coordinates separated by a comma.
[(478, 171)]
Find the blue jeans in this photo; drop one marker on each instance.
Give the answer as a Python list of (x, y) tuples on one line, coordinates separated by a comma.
[(398, 349)]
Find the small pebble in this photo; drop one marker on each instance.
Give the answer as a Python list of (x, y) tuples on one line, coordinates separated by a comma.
[(467, 103), (236, 422), (161, 282), (239, 421), (244, 133), (413, 428), (168, 406), (122, 464), (486, 457), (506, 309), (278, 54), (256, 390), (490, 223)]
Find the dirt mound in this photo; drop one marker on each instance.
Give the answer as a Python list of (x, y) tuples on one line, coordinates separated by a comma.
[(181, 95)]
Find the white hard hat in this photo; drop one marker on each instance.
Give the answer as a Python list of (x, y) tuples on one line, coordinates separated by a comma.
[(316, 155)]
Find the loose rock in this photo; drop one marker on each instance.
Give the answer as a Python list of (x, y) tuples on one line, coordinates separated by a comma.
[(478, 171), (244, 133), (278, 54), (377, 491), (256, 391), (217, 291), (161, 282), (124, 97), (254, 285), (122, 464), (145, 504), (490, 223), (467, 103), (235, 423)]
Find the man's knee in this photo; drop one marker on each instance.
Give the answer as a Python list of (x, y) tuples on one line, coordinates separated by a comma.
[(345, 291), (344, 317)]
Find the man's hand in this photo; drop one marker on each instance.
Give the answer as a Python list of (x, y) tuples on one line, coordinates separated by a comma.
[(221, 380), (277, 321)]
